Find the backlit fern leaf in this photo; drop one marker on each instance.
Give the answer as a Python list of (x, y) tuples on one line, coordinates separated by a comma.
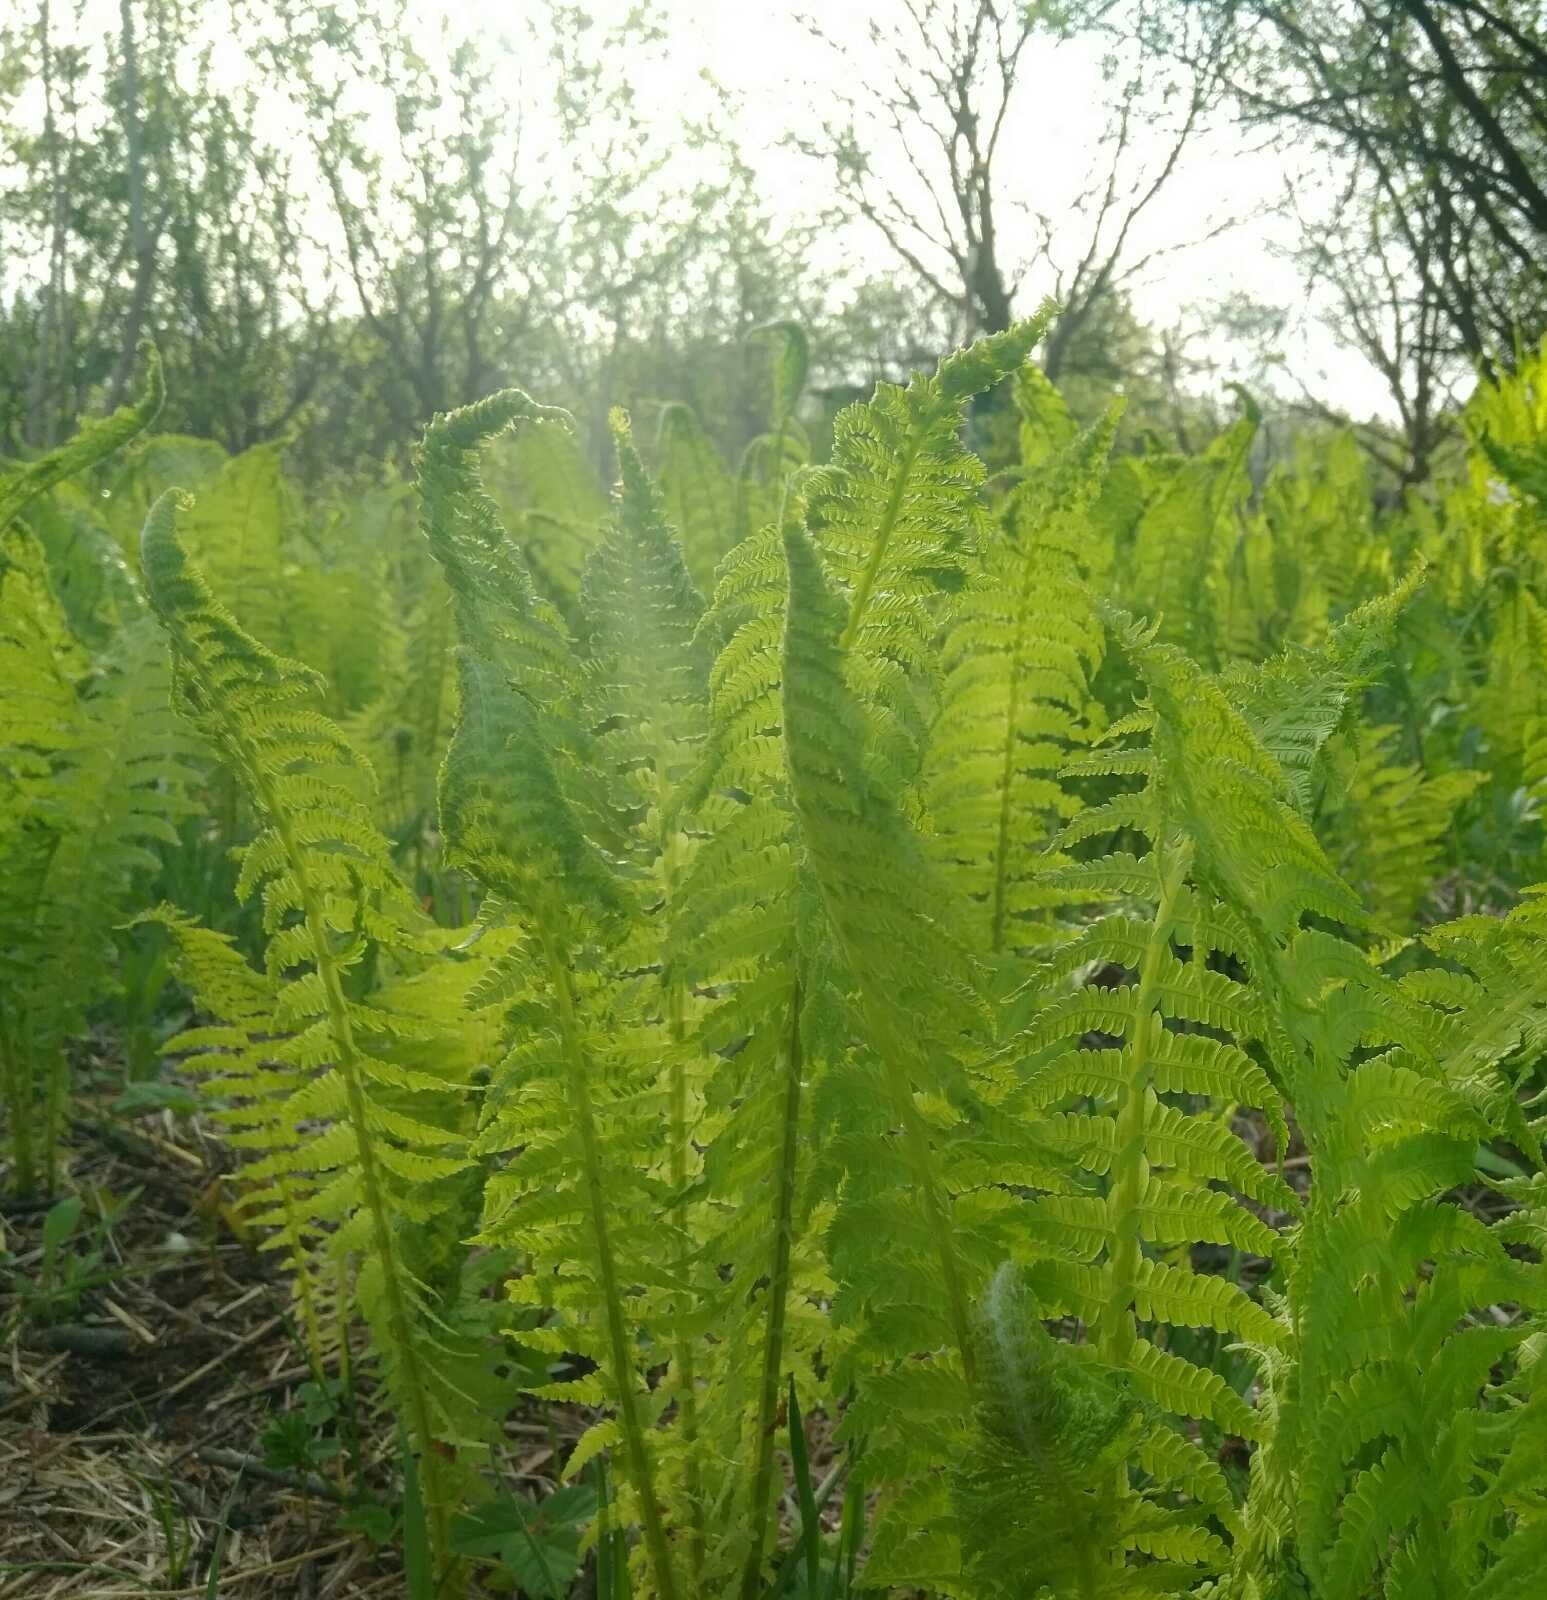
[(332, 903), (1301, 700), (898, 520), (241, 1065), (236, 530), (749, 933), (646, 699), (1034, 1486), (771, 457), (94, 775), (905, 1253), (96, 440), (699, 494), (1021, 647), (1172, 1022), (1391, 832), (1183, 539), (544, 485), (571, 1106), (1394, 1417)]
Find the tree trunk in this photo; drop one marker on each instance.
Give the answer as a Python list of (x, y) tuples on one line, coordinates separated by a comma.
[(142, 246), (49, 378)]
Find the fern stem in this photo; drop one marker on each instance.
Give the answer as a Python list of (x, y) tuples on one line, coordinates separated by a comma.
[(777, 1302), (883, 539), (1117, 1331), (304, 1286), (687, 1403), (55, 1094), (16, 1079), (636, 1446)]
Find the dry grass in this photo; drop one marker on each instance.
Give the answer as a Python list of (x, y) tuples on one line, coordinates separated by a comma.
[(131, 1420), (130, 1427)]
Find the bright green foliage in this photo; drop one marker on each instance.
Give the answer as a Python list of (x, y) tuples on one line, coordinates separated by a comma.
[(93, 773), (333, 912), (1405, 1403), (750, 934), (897, 519), (1182, 543), (237, 531), (540, 478), (1324, 551), (771, 457), (1021, 648), (1390, 833), (255, 1094), (1178, 989), (895, 1244), (572, 1096), (92, 444), (698, 491), (954, 955), (1035, 1487), (1303, 704)]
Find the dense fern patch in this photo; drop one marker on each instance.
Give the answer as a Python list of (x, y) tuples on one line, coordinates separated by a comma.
[(1044, 970)]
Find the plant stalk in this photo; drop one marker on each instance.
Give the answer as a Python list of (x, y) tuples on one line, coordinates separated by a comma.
[(636, 1447), (792, 1064)]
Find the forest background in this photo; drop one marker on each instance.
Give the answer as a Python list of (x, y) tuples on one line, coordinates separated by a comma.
[(339, 219)]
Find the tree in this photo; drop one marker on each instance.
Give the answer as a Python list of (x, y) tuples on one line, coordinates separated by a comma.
[(143, 201), (1377, 271), (917, 152), (443, 242), (1440, 109)]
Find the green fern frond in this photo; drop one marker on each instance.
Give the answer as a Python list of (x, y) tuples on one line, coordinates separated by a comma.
[(95, 774), (788, 367), (699, 493), (547, 490), (898, 519), (919, 1215), (94, 441), (332, 904), (880, 894), (1299, 700), (571, 1105), (1021, 648), (1032, 1488), (749, 931), (241, 1066), (1402, 1348), (1183, 539), (238, 530), (647, 695), (1392, 830)]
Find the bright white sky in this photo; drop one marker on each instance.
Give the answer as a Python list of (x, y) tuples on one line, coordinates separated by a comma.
[(782, 80)]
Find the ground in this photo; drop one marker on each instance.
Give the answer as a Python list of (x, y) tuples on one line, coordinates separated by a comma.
[(143, 1360), (133, 1402)]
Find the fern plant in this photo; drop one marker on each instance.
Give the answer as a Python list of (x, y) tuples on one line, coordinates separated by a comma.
[(573, 1096), (93, 773), (1021, 648), (392, 1136), (944, 954), (1414, 1321), (1160, 1022)]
